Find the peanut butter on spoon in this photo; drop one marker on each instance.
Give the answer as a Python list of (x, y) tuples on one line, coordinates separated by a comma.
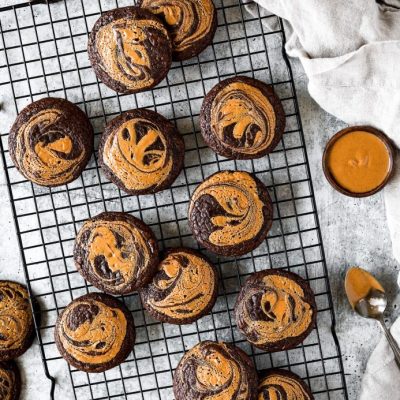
[(359, 283), (368, 298)]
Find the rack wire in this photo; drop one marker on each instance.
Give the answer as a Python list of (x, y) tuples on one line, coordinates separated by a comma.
[(43, 53)]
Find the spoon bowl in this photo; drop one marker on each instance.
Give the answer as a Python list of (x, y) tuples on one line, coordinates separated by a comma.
[(373, 305)]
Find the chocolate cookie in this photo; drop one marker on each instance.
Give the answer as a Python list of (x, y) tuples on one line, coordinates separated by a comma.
[(16, 320), (141, 152), (95, 332), (275, 310), (10, 381), (230, 213), (283, 384), (212, 370), (184, 288), (130, 49), (116, 252), (191, 24), (51, 142), (242, 118)]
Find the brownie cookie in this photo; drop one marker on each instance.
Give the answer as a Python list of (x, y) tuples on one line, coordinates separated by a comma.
[(212, 370), (191, 24), (283, 384), (230, 213), (95, 332), (184, 288), (242, 118), (51, 142), (275, 310), (116, 252), (10, 381), (141, 152), (130, 49), (16, 320)]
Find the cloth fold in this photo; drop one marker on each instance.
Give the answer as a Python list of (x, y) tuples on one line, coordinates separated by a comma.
[(381, 377), (350, 51)]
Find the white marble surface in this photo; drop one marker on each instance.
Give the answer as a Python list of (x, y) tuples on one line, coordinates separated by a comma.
[(354, 233)]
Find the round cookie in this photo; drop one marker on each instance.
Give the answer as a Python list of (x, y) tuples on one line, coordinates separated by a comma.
[(230, 213), (242, 118), (283, 384), (191, 24), (116, 252), (16, 320), (130, 49), (95, 332), (10, 381), (141, 152), (275, 310), (184, 288), (212, 370), (51, 142)]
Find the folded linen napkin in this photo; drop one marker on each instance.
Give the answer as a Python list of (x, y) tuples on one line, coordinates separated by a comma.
[(381, 377), (350, 50)]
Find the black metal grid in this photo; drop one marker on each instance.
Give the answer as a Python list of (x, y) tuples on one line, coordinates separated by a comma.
[(43, 53)]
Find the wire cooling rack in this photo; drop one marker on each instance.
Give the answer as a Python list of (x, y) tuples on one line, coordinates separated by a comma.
[(43, 53)]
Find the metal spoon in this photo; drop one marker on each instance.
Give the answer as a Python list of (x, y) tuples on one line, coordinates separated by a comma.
[(371, 305)]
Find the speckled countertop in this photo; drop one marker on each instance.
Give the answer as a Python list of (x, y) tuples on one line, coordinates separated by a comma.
[(354, 233)]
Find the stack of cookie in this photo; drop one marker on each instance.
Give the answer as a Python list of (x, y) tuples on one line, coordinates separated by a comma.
[(230, 213)]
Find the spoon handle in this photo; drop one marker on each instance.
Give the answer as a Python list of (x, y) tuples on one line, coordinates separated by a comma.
[(392, 341)]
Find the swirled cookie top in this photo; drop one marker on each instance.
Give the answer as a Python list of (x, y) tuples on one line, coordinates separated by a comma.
[(16, 317), (91, 331), (189, 21), (213, 370), (282, 386), (243, 118), (114, 252), (273, 309), (138, 154), (238, 214), (127, 53), (183, 287), (7, 383), (47, 150)]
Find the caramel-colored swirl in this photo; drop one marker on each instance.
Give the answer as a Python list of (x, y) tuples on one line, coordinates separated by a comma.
[(138, 155), (91, 331), (183, 287), (15, 316), (243, 118), (213, 371), (112, 252), (278, 386), (273, 309), (45, 151), (238, 213), (7, 383), (126, 50), (189, 21)]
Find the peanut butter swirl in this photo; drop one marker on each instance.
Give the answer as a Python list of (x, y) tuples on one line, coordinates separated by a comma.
[(8, 382), (92, 332), (189, 21), (183, 289), (282, 386), (273, 307), (138, 154), (16, 319), (45, 151), (114, 253), (214, 371), (243, 118), (227, 209), (132, 48)]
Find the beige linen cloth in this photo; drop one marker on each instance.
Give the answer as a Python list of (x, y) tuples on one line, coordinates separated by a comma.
[(350, 50)]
